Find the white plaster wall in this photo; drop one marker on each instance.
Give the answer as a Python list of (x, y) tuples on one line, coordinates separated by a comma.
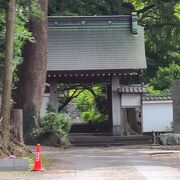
[(131, 100), (157, 115), (45, 101)]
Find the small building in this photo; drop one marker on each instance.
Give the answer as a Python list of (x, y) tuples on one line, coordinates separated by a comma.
[(98, 49)]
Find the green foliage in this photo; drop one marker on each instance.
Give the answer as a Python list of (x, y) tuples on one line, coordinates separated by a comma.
[(54, 124), (26, 10), (92, 116), (151, 90), (29, 9), (59, 124), (85, 101), (165, 76), (162, 29), (22, 34), (177, 10), (137, 4), (88, 102), (85, 7)]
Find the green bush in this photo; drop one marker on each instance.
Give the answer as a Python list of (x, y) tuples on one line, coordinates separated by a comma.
[(54, 124), (92, 116)]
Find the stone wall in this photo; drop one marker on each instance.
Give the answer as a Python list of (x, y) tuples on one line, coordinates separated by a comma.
[(74, 113)]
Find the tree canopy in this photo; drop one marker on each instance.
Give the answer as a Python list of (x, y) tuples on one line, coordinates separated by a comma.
[(165, 77), (25, 10)]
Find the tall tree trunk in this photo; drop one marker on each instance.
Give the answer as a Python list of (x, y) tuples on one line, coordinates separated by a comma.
[(7, 81), (33, 75)]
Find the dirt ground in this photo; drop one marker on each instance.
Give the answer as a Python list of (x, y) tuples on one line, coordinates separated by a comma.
[(122, 162)]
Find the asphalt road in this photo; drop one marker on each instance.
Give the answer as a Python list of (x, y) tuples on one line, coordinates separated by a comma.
[(109, 163)]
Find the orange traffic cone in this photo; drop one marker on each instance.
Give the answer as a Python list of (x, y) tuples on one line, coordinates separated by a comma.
[(38, 160)]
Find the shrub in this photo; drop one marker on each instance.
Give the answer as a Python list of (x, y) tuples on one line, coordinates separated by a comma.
[(93, 116), (56, 125)]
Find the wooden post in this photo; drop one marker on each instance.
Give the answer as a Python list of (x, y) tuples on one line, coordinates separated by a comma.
[(53, 99), (109, 104), (17, 124), (176, 106), (117, 120)]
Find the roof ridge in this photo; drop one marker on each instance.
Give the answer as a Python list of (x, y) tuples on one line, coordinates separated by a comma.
[(160, 95), (156, 97), (124, 15)]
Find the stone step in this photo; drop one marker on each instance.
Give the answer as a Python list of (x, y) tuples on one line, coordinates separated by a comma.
[(100, 140), (101, 127)]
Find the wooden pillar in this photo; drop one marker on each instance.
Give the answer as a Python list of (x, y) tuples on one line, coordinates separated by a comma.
[(109, 108), (117, 120), (53, 99), (176, 106)]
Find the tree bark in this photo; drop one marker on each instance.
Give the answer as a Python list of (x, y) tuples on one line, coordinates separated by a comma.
[(17, 124), (33, 74), (7, 80)]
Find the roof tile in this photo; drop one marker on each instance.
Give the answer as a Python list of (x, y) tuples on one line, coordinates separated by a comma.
[(95, 45), (135, 88), (156, 97)]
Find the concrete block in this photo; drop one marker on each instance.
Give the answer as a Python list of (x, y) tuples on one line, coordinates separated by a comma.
[(6, 164), (14, 165), (21, 165)]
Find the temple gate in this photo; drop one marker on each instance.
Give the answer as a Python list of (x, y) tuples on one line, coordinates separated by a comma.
[(97, 49)]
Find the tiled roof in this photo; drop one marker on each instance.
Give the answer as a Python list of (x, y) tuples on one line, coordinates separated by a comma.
[(94, 43), (159, 97), (132, 89), (56, 21)]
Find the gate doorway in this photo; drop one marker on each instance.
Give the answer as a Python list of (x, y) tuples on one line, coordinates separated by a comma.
[(132, 121)]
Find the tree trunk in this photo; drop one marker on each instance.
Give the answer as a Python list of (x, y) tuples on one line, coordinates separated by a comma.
[(33, 74), (17, 124), (7, 80)]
